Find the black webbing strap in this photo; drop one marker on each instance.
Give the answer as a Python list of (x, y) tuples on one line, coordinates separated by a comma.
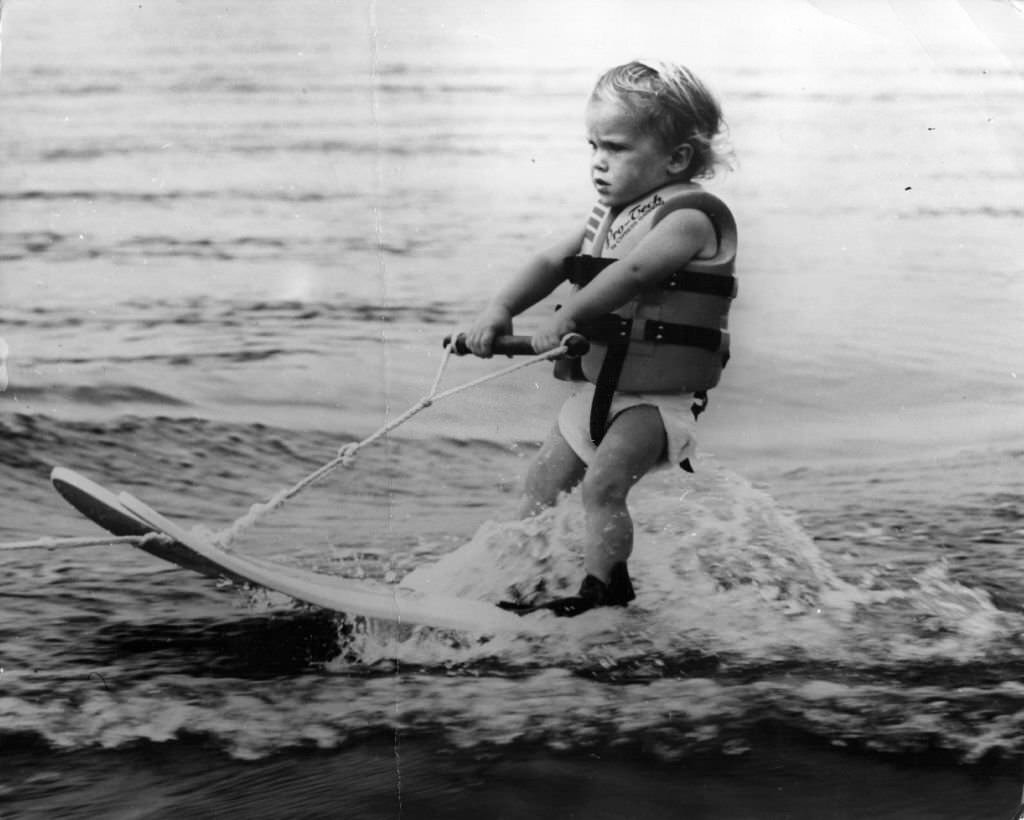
[(580, 270), (607, 381), (706, 338), (711, 284), (607, 328), (614, 332), (611, 328)]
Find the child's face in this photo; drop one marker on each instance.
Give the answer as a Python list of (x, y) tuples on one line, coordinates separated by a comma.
[(626, 163)]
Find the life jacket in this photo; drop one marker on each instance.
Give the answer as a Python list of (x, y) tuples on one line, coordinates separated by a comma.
[(673, 338)]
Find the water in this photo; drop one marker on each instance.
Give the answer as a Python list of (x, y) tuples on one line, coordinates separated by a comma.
[(232, 241)]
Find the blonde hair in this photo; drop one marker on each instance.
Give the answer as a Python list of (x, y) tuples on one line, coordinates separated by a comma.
[(671, 101)]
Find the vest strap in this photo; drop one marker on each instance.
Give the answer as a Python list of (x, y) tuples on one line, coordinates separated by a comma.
[(612, 328), (580, 270), (711, 284), (608, 380), (705, 338), (614, 332), (608, 328)]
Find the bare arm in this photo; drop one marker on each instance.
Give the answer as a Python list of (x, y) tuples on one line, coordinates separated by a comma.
[(541, 275), (670, 245)]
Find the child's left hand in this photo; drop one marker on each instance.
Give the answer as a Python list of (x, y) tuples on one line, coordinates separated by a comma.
[(551, 332)]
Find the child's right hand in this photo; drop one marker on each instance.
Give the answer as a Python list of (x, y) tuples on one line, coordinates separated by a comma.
[(493, 321)]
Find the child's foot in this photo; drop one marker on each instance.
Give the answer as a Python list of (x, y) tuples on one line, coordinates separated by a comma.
[(593, 593)]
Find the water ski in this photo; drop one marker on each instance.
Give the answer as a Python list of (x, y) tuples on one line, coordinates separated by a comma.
[(127, 515), (101, 506)]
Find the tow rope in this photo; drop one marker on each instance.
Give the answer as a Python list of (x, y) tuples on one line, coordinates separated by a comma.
[(572, 345)]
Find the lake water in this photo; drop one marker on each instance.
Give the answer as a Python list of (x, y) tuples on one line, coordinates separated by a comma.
[(232, 236)]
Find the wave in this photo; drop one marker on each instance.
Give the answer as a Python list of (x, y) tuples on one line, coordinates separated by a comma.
[(427, 146), (175, 359), (87, 89), (100, 195), (209, 310), (22, 245), (226, 466), (100, 395), (988, 211), (664, 720)]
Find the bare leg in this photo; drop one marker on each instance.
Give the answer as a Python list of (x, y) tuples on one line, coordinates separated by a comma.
[(555, 470), (634, 443)]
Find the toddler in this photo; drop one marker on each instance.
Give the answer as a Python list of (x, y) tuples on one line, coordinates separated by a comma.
[(652, 269)]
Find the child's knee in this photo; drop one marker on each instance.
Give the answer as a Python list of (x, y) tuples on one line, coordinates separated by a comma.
[(539, 492), (605, 487)]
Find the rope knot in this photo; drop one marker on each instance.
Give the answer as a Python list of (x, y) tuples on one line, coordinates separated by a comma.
[(347, 453)]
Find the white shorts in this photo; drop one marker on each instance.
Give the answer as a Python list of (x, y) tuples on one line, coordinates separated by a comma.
[(676, 416)]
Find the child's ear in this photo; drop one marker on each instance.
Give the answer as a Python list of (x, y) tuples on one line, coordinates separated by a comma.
[(679, 159)]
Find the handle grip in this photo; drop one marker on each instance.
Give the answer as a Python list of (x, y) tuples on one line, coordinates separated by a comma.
[(520, 345)]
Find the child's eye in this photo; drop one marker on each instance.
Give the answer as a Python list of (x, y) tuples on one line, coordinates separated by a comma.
[(610, 147)]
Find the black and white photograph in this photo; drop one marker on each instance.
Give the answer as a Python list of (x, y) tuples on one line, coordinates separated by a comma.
[(566, 410)]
